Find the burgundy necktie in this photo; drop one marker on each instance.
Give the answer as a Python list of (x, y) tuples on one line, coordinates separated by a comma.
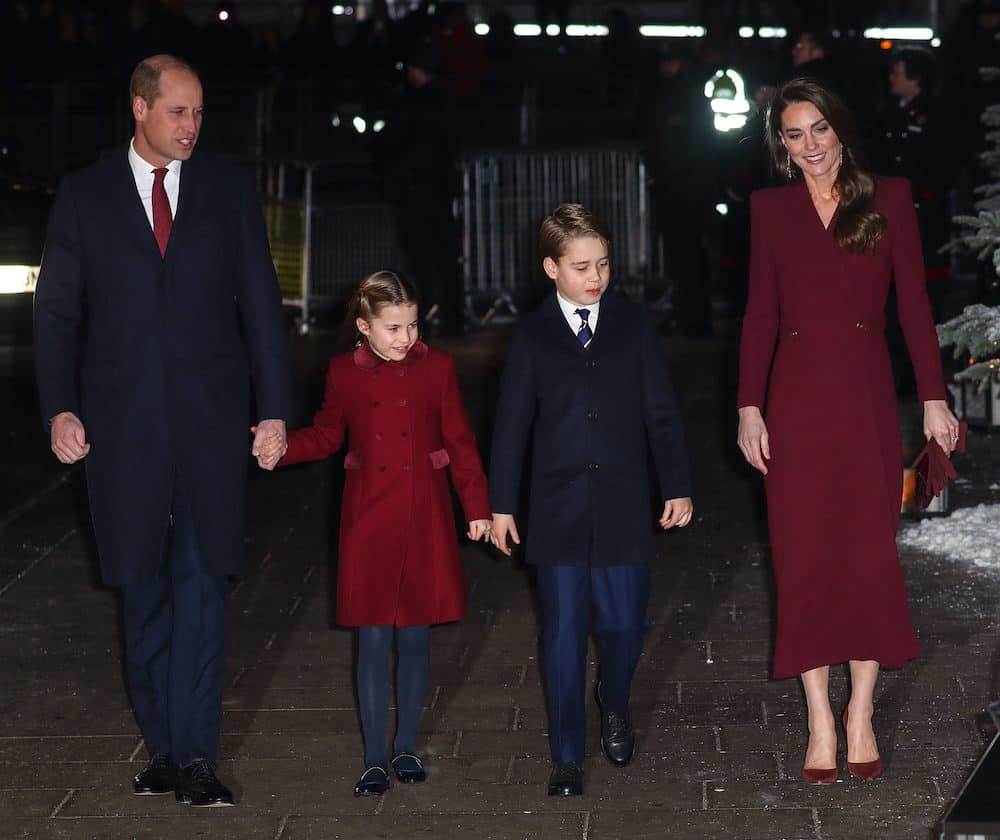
[(162, 220)]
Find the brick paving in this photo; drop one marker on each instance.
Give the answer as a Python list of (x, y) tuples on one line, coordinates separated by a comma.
[(720, 745)]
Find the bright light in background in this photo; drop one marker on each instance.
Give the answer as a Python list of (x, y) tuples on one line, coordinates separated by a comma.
[(722, 208), (900, 33), (360, 125), (577, 30), (746, 31), (17, 279), (482, 29), (772, 32), (223, 15), (552, 30), (935, 42), (527, 30), (657, 30), (338, 9), (335, 120), (378, 125), (726, 91)]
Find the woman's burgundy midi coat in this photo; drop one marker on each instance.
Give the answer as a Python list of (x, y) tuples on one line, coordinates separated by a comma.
[(398, 561), (813, 338)]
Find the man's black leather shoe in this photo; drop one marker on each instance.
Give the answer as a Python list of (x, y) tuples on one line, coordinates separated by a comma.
[(566, 780), (373, 782), (617, 735), (159, 776), (409, 769), (200, 788)]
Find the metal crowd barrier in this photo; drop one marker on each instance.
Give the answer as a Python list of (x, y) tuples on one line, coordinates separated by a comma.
[(321, 247), (505, 196)]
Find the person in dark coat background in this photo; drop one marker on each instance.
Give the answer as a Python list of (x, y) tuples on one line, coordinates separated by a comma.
[(418, 155), (680, 143), (585, 374), (160, 257), (915, 144)]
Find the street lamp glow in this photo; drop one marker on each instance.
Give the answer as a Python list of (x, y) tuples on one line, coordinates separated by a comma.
[(722, 208), (527, 30), (360, 125), (772, 32), (552, 30), (338, 9), (662, 30), (17, 279), (579, 30), (378, 125), (900, 33), (482, 29), (223, 15), (746, 32)]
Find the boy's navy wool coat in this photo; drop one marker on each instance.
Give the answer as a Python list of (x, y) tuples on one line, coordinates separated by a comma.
[(595, 413)]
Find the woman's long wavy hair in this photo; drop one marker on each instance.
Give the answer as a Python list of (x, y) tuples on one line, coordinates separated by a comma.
[(859, 226), (379, 289)]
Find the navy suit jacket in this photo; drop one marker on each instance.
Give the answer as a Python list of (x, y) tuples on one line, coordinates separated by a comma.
[(162, 378), (596, 413)]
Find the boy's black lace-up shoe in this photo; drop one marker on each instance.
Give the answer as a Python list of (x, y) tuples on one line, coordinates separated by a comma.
[(200, 788), (617, 735), (160, 775)]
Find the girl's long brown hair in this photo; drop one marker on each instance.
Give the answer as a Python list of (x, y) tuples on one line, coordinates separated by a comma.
[(381, 288), (859, 226)]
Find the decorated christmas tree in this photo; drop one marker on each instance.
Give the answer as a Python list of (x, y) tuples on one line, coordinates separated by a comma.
[(976, 330)]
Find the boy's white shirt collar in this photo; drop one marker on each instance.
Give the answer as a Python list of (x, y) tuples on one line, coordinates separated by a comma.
[(574, 320)]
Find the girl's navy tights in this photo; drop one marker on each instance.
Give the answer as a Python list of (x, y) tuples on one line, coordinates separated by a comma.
[(374, 652)]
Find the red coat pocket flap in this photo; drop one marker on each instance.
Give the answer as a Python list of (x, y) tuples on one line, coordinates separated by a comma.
[(439, 459), (352, 461)]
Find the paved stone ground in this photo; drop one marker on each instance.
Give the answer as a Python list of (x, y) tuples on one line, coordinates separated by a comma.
[(720, 745)]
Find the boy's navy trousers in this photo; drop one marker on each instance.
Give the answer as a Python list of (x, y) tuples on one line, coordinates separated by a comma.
[(618, 596), (176, 630)]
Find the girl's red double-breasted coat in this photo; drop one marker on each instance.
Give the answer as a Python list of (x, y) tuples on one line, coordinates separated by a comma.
[(398, 560)]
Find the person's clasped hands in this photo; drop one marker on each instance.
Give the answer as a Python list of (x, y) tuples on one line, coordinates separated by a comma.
[(270, 443)]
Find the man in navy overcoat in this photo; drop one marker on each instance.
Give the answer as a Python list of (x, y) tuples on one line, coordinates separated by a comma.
[(586, 375), (156, 307)]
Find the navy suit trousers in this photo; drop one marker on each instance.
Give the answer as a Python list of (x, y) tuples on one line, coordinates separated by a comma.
[(618, 596), (176, 629)]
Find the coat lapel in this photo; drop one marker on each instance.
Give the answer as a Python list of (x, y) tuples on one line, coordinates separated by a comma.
[(557, 326), (188, 200), (128, 205)]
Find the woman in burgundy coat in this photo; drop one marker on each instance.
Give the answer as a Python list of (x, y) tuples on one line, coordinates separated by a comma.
[(824, 249), (399, 565)]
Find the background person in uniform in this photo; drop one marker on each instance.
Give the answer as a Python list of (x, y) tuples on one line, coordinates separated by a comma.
[(914, 144), (161, 258), (824, 250)]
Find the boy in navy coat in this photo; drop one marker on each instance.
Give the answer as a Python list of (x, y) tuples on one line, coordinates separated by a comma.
[(585, 373)]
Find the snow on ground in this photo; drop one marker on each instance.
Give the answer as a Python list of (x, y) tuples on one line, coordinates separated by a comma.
[(969, 534)]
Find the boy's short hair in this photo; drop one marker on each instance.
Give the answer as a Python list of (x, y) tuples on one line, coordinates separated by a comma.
[(570, 221)]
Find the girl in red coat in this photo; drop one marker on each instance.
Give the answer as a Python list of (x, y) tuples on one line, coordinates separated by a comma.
[(399, 567)]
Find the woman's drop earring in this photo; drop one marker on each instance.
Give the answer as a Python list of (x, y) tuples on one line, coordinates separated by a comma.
[(788, 165)]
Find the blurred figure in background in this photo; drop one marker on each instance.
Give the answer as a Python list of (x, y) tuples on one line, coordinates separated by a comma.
[(681, 153), (915, 145), (418, 156)]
